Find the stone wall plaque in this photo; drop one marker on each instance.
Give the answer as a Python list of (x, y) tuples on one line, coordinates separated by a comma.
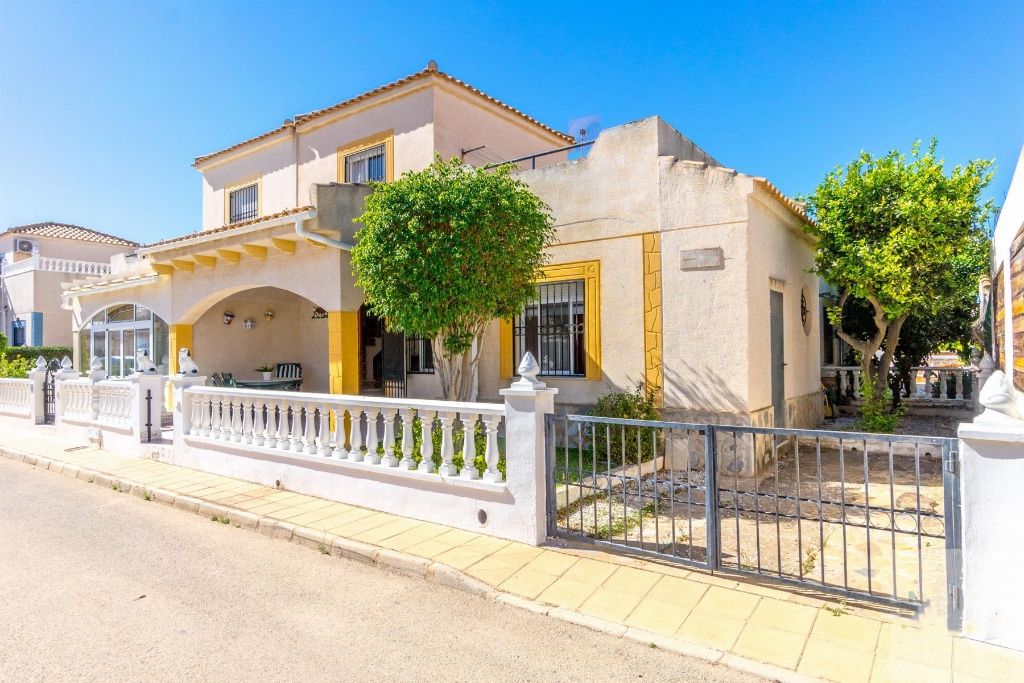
[(711, 258)]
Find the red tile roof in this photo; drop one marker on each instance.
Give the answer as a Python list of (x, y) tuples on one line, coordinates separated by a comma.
[(229, 226), (66, 231), (431, 71)]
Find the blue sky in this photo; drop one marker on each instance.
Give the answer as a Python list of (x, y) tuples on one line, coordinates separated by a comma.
[(103, 106)]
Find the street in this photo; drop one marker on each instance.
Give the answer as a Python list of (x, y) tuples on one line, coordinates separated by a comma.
[(101, 585)]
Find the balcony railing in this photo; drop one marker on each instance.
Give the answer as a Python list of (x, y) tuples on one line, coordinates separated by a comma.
[(48, 264), (927, 383)]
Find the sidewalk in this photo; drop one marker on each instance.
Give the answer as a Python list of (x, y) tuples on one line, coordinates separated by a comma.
[(750, 626)]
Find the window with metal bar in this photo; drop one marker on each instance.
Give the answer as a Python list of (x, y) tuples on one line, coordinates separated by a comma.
[(243, 203), (366, 166), (419, 355), (552, 328)]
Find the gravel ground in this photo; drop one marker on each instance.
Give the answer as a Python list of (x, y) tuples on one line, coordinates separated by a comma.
[(98, 585)]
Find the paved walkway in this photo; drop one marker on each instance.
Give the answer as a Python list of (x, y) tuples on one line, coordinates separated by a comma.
[(755, 627)]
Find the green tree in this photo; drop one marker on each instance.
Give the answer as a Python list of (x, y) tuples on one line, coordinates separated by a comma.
[(446, 250), (902, 235)]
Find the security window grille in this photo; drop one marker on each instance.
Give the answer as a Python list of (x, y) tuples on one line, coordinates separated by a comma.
[(243, 203), (552, 328), (419, 355), (365, 166)]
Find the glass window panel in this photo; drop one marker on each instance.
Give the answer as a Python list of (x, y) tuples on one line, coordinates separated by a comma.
[(115, 355), (366, 166), (128, 353), (124, 313), (143, 313), (552, 328)]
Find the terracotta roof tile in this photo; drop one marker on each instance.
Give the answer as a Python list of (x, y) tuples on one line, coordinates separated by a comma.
[(229, 226), (66, 231), (431, 71)]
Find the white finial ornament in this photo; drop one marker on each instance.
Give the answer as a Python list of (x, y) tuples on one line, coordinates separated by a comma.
[(528, 369), (96, 363), (40, 363), (66, 365), (1001, 400), (186, 366)]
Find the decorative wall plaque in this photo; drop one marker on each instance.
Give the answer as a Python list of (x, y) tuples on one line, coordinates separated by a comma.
[(711, 258)]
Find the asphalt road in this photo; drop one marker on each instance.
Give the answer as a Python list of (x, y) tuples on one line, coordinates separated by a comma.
[(103, 586)]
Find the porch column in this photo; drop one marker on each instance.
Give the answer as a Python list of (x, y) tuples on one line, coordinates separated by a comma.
[(343, 351)]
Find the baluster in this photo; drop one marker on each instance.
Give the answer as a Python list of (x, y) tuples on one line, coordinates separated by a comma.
[(324, 424), (389, 437), (447, 445), (236, 420), (284, 426), (843, 383), (247, 408), (206, 406), (491, 455), (214, 416), (408, 416), (271, 439), (943, 375), (258, 436), (196, 420), (309, 410), (469, 470), (296, 437), (427, 442), (959, 383), (372, 456), (856, 383), (339, 434), (356, 439)]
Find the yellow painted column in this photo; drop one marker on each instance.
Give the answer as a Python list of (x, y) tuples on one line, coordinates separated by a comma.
[(653, 371), (178, 337), (343, 351)]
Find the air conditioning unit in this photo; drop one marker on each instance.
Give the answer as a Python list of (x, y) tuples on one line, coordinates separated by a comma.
[(24, 246)]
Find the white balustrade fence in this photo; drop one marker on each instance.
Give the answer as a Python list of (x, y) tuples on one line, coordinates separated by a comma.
[(375, 431), (109, 413), (75, 398), (15, 397), (115, 402), (927, 383), (57, 265)]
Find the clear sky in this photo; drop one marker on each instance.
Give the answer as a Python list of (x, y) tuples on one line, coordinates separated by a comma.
[(103, 106)]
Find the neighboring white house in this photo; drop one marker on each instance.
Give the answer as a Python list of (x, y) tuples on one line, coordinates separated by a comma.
[(35, 261), (1008, 280)]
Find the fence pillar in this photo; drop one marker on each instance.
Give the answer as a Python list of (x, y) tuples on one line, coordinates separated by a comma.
[(992, 477), (182, 404), (37, 402), (67, 372), (527, 402), (147, 411)]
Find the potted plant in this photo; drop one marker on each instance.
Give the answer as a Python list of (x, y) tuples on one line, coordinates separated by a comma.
[(266, 371)]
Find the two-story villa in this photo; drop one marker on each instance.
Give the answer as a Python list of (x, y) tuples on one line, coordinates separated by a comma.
[(669, 269)]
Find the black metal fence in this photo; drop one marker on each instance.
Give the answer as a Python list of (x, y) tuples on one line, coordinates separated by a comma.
[(869, 516)]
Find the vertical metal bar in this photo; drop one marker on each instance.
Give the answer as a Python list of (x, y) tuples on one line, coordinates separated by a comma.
[(689, 499), (867, 513), (549, 463), (917, 510), (625, 484), (639, 479), (954, 539), (149, 415), (842, 508), (608, 476), (892, 520), (671, 485), (799, 512), (714, 556), (654, 453), (778, 526), (757, 507), (593, 464), (579, 472), (821, 523), (736, 495)]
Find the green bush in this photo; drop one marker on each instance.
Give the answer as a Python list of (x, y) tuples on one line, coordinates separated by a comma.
[(875, 413), (15, 367), (628, 444), (33, 352)]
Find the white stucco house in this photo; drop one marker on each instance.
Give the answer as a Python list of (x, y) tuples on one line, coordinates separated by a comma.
[(670, 270), (35, 260)]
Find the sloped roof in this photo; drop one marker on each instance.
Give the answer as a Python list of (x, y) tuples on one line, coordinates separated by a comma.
[(431, 71), (228, 227), (67, 231)]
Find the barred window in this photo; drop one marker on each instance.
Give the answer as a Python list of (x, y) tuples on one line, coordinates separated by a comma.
[(366, 166), (243, 203), (419, 355), (551, 327)]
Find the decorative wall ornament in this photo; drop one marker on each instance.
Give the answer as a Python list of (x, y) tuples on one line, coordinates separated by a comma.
[(1002, 402), (319, 313), (186, 366), (248, 323), (805, 311), (229, 317), (268, 315)]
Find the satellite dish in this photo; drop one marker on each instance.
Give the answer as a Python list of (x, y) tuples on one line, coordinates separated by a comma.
[(585, 128)]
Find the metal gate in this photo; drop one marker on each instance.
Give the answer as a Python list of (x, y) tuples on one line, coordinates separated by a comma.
[(49, 392), (874, 517)]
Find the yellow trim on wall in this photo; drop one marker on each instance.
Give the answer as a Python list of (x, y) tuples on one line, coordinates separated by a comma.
[(255, 251), (178, 336), (653, 353), (387, 138), (228, 189), (343, 351), (590, 273)]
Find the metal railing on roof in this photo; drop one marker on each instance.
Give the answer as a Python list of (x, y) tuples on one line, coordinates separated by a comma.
[(532, 158)]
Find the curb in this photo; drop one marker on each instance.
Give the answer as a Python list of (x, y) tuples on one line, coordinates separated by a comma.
[(412, 565)]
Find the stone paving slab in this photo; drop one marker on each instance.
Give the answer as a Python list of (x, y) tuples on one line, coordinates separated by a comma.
[(758, 628)]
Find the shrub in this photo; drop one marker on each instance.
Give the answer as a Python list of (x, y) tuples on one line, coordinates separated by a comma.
[(33, 352), (628, 444), (15, 367), (875, 415)]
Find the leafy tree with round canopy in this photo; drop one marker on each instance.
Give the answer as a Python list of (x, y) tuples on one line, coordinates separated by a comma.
[(446, 250), (904, 236)]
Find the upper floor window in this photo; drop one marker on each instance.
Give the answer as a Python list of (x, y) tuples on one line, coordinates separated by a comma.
[(243, 203), (368, 165), (552, 328)]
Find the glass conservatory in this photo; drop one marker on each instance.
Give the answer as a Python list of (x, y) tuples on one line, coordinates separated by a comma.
[(118, 334)]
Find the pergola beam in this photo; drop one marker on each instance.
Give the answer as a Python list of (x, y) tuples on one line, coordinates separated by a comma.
[(229, 255), (205, 261), (183, 265), (287, 246), (255, 250), (162, 268)]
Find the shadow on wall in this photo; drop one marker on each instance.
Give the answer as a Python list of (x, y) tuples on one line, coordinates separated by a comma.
[(700, 390)]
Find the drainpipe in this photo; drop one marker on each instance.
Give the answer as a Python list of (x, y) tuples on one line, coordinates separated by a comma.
[(301, 231)]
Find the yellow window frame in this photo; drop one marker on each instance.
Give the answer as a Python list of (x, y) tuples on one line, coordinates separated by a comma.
[(386, 138), (590, 273), (228, 189)]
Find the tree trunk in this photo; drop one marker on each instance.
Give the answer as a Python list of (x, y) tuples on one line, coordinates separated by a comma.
[(887, 331), (457, 372)]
